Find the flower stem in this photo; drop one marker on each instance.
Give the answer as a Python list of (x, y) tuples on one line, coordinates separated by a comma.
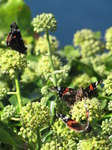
[(18, 92), (50, 58), (38, 138)]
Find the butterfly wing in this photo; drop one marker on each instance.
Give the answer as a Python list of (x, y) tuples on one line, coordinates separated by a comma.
[(89, 90), (66, 94), (14, 39), (73, 124)]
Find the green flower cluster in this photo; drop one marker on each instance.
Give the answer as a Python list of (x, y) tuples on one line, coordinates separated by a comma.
[(78, 110), (89, 42), (29, 74), (108, 85), (12, 62), (107, 126), (63, 138), (34, 115), (62, 131), (110, 105), (82, 80), (62, 74), (98, 63), (44, 22), (8, 112), (59, 145), (108, 37), (41, 45), (92, 144), (3, 89), (43, 67)]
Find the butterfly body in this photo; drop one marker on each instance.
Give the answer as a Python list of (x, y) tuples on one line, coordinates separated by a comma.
[(14, 39)]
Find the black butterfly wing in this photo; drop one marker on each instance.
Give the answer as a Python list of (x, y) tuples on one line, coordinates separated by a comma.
[(66, 94), (89, 90), (73, 124), (14, 39)]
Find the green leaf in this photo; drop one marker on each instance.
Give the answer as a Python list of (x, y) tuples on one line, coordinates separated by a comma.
[(86, 68), (13, 100), (52, 109), (25, 100), (107, 116), (70, 52), (14, 11), (8, 136), (108, 63)]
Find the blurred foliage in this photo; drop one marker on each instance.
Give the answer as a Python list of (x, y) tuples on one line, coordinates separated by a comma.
[(88, 60)]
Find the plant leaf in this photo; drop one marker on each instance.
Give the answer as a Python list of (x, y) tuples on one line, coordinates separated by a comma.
[(8, 136), (88, 69)]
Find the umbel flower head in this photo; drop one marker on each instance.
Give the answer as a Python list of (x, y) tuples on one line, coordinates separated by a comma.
[(3, 89), (107, 126), (44, 22), (41, 45), (93, 143), (89, 42), (34, 115), (108, 85), (108, 37), (43, 68), (63, 138), (8, 112), (78, 110), (29, 74), (12, 62)]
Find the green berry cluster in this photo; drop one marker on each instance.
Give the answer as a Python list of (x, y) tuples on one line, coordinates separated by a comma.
[(89, 42), (93, 144), (43, 67), (108, 37), (41, 45), (62, 74), (3, 89), (44, 22), (108, 85), (63, 138), (78, 110), (12, 62), (8, 112), (30, 135), (82, 80), (61, 130), (110, 105), (107, 126), (34, 115), (52, 145), (59, 145), (29, 74), (98, 63)]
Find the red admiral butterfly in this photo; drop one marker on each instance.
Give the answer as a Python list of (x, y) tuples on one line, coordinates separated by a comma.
[(73, 124), (14, 39), (72, 96)]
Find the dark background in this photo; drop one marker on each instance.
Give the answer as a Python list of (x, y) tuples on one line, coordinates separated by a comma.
[(73, 15)]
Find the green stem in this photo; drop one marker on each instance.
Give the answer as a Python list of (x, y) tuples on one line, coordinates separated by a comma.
[(50, 58), (18, 92), (38, 138)]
